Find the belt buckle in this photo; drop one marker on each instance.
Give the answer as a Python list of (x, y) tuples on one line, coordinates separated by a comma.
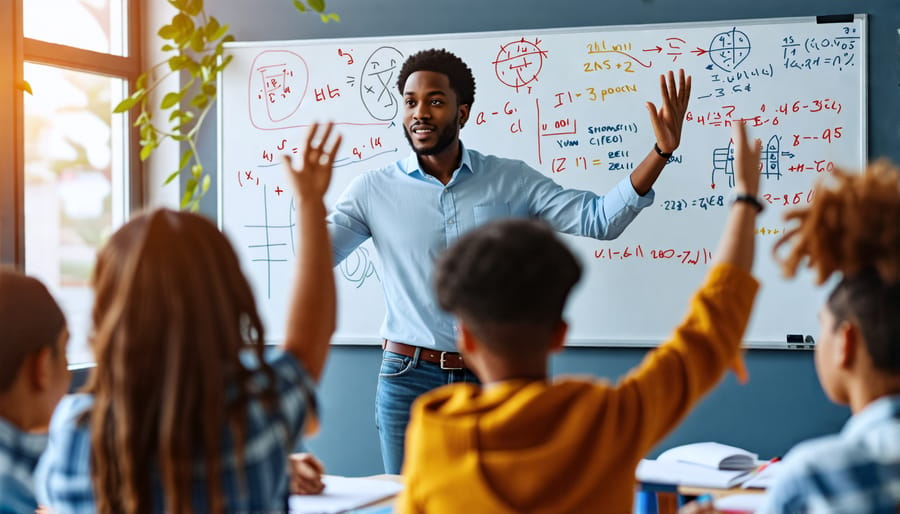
[(443, 362)]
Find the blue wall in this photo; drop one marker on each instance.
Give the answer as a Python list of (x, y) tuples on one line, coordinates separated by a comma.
[(781, 405)]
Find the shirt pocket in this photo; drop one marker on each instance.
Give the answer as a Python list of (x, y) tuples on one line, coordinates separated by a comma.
[(490, 212)]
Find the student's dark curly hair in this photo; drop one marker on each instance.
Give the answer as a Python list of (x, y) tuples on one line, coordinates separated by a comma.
[(853, 229), (441, 61), (508, 281)]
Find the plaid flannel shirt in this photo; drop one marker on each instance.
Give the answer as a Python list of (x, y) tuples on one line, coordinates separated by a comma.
[(19, 454), (854, 472), (63, 480)]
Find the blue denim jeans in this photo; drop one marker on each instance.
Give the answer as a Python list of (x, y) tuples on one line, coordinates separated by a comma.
[(401, 380)]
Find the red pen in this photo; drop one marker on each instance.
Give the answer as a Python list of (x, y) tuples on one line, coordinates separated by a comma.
[(766, 464)]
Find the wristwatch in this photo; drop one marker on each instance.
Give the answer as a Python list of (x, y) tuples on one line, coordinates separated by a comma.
[(744, 197), (664, 155)]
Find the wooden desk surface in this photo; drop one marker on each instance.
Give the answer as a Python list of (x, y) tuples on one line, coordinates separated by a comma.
[(668, 502), (387, 502), (716, 493)]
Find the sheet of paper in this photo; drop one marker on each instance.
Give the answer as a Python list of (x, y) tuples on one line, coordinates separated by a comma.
[(342, 494), (683, 473)]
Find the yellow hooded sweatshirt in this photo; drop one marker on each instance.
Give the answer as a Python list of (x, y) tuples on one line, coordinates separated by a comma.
[(571, 446)]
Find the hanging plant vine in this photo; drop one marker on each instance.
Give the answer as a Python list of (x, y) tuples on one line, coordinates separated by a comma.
[(196, 44)]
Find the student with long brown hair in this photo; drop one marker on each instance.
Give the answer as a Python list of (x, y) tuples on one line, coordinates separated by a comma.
[(186, 410)]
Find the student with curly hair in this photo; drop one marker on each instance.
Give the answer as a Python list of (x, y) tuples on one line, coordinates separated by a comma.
[(186, 410), (851, 230), (525, 443), (418, 206)]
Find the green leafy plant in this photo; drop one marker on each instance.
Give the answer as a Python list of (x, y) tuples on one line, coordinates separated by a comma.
[(195, 43)]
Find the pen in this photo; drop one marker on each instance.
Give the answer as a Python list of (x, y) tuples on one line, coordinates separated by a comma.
[(767, 463)]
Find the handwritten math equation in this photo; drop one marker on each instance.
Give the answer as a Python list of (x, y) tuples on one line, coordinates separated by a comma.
[(766, 114), (725, 51), (713, 201), (572, 111), (704, 202), (809, 53), (692, 256)]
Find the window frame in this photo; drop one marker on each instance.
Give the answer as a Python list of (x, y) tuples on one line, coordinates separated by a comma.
[(12, 117)]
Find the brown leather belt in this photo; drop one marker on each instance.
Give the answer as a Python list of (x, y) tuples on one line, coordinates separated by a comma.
[(447, 360)]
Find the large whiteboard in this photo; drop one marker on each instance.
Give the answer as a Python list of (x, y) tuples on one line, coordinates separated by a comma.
[(570, 102)]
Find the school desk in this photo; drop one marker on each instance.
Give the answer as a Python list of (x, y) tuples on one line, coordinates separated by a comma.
[(668, 498)]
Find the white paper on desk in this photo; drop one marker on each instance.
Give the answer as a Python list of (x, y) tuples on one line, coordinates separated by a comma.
[(713, 455), (342, 494), (684, 473)]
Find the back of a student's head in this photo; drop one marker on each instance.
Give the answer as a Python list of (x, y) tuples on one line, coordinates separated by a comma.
[(852, 230), (168, 287), (32, 333), (508, 281), (172, 313)]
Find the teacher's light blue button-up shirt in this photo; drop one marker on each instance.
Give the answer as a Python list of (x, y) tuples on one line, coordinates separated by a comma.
[(412, 217)]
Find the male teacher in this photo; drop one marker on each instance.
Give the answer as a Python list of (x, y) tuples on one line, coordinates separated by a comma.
[(418, 206)]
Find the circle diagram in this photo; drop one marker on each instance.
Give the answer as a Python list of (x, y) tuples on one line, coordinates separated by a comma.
[(519, 63), (377, 83), (729, 49)]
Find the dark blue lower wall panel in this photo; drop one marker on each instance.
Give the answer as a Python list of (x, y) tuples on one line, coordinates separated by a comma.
[(780, 405)]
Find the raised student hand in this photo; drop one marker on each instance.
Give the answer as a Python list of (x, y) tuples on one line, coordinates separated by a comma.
[(747, 166), (667, 122), (312, 178)]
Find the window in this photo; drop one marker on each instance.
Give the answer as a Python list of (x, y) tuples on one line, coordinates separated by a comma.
[(96, 25), (72, 160)]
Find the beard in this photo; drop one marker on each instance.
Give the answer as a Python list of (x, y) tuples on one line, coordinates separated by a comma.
[(446, 137)]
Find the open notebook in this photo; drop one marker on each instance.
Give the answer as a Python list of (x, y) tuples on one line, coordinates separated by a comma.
[(687, 474), (711, 455), (706, 464)]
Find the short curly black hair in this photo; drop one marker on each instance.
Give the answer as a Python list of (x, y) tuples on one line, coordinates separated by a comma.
[(508, 281), (461, 79)]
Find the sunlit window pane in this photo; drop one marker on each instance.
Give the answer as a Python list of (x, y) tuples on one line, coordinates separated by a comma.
[(74, 186), (96, 25)]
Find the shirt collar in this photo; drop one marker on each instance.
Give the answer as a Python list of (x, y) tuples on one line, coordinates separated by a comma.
[(12, 436), (411, 163), (877, 412)]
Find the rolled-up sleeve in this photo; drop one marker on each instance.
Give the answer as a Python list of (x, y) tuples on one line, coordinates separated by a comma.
[(584, 213)]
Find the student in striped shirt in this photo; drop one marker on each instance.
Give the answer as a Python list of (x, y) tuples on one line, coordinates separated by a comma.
[(33, 377), (187, 410)]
